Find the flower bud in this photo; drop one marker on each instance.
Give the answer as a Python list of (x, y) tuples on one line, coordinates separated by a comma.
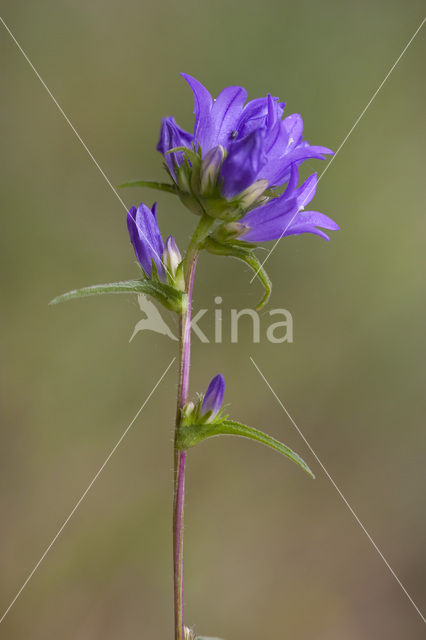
[(229, 231), (171, 256), (210, 168), (146, 239), (188, 410), (183, 179), (250, 195), (213, 398), (189, 634)]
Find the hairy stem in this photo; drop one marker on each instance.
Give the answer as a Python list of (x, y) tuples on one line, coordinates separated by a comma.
[(182, 397)]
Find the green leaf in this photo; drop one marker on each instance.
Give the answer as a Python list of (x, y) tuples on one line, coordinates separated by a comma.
[(160, 186), (236, 250), (167, 295), (191, 434)]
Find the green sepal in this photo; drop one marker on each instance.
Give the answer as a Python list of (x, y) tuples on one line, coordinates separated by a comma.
[(188, 177), (189, 435), (237, 250), (193, 167), (170, 297), (159, 186)]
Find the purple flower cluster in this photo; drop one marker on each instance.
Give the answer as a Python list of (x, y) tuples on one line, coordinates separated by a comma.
[(247, 149), (231, 167)]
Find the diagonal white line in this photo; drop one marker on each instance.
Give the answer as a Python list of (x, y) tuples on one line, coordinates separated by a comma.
[(84, 494), (338, 491), (80, 139), (346, 138)]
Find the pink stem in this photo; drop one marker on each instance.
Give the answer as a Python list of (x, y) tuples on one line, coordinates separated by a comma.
[(180, 456)]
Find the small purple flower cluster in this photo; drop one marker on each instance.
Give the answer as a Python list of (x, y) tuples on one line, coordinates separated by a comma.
[(246, 153)]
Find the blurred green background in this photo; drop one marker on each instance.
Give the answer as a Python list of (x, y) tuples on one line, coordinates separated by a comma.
[(269, 553)]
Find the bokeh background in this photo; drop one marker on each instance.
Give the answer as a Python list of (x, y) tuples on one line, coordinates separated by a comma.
[(269, 553)]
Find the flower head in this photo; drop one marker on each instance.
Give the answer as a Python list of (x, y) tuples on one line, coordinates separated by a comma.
[(213, 398), (237, 151)]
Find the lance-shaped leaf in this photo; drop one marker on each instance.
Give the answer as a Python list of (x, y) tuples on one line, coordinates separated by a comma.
[(159, 186), (164, 293), (236, 250), (191, 434)]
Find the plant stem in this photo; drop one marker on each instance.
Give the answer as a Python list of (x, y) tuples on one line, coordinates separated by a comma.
[(180, 455)]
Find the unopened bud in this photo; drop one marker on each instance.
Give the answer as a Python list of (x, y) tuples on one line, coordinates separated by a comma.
[(229, 231), (210, 168), (171, 256), (189, 634), (213, 398), (188, 410), (250, 195), (182, 179)]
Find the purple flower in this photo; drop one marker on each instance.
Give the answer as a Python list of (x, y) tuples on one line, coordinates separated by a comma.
[(213, 398), (146, 239), (172, 136), (256, 142), (286, 215)]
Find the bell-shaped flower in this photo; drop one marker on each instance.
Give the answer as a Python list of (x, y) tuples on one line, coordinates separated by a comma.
[(286, 215), (146, 239)]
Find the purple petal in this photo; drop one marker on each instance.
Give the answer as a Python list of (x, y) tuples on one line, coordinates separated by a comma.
[(241, 166), (293, 126), (133, 233), (146, 239), (203, 103), (307, 221), (292, 183), (213, 397), (293, 223), (306, 192), (274, 111), (252, 117), (277, 171), (284, 146), (171, 136), (322, 150), (305, 152), (269, 225), (215, 120), (275, 208), (225, 114), (257, 113)]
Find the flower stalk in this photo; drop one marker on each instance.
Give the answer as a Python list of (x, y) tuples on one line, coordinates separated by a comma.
[(190, 264)]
